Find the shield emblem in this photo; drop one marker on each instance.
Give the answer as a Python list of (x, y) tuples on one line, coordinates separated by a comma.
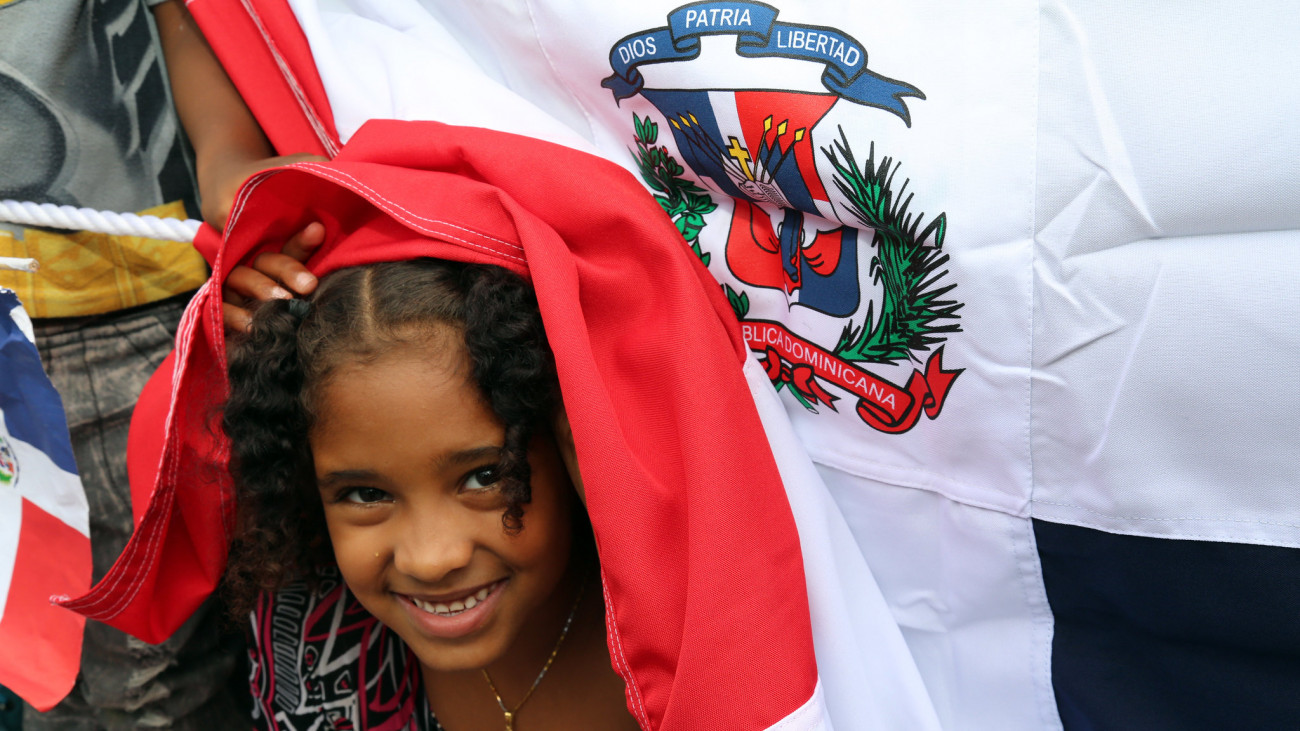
[(758, 148)]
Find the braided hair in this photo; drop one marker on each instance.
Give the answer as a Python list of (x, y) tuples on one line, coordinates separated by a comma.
[(357, 315)]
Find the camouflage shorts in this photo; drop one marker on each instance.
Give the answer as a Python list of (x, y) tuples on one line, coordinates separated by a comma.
[(99, 365)]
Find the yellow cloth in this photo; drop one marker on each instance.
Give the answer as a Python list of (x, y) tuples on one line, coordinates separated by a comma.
[(86, 273)]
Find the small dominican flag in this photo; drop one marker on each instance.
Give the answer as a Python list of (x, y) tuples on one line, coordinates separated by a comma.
[(44, 523)]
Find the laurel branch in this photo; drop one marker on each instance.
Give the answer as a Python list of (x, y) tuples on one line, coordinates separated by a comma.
[(683, 201), (914, 315)]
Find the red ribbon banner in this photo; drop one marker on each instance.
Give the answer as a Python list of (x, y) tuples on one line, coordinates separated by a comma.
[(881, 404)]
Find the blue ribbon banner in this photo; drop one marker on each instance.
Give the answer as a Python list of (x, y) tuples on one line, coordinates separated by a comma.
[(759, 35)]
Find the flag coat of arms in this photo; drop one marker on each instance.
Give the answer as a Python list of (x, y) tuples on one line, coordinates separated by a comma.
[(44, 523), (1009, 282)]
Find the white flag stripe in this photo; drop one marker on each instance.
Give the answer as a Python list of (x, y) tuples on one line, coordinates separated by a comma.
[(55, 491), (865, 667), (364, 60), (24, 323)]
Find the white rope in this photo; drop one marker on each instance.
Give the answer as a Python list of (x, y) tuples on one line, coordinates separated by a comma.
[(105, 222), (18, 265)]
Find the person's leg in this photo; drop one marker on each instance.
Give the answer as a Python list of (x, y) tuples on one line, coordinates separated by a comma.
[(99, 365)]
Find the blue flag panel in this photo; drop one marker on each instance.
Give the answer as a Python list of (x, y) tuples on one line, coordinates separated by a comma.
[(1154, 633), (29, 405)]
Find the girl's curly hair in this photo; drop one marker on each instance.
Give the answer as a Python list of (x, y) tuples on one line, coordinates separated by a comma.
[(358, 315)]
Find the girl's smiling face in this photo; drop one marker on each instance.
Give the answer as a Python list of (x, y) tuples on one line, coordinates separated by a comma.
[(405, 452)]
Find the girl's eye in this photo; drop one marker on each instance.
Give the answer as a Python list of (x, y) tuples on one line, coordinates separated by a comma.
[(482, 479), (364, 495)]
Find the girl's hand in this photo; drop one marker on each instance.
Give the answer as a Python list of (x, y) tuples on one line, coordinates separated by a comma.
[(271, 276)]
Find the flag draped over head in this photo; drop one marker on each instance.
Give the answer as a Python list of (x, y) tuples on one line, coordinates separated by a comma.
[(708, 613), (44, 523)]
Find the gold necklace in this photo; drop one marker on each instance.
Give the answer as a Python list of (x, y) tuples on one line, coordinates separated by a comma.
[(509, 713)]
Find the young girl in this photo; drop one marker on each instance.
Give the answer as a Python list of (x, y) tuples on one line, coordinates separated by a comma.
[(402, 425), (356, 438)]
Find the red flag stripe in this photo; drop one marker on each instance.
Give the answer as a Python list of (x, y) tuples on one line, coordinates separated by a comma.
[(53, 560)]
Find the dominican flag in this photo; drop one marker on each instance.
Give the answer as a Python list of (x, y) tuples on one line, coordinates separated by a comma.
[(44, 523), (736, 594), (1099, 530)]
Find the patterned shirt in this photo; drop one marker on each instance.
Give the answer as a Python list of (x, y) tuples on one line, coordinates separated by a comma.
[(321, 661)]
